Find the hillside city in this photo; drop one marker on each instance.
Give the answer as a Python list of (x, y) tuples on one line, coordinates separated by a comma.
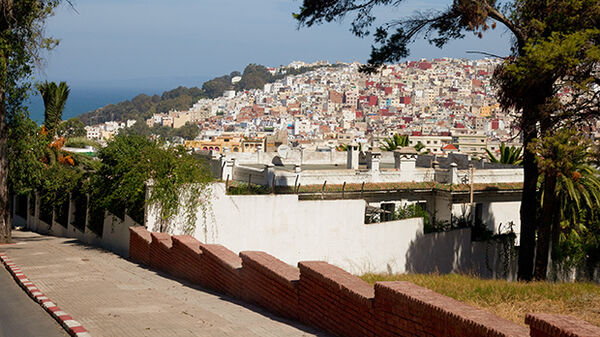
[(433, 172), (448, 105)]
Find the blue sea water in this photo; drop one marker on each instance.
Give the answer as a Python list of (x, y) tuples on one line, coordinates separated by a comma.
[(84, 99)]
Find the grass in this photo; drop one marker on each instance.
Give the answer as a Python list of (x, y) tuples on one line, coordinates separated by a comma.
[(510, 300)]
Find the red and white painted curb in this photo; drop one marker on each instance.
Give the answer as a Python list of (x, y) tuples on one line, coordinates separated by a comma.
[(73, 327)]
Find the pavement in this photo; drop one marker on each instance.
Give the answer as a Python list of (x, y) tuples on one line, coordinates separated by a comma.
[(111, 296), (20, 316)]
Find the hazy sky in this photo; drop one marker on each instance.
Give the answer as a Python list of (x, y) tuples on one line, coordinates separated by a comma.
[(154, 43)]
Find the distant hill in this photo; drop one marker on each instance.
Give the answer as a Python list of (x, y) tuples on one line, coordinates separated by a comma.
[(143, 106)]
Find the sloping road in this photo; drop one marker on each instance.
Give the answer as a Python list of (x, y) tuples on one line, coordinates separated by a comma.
[(111, 296), (20, 316)]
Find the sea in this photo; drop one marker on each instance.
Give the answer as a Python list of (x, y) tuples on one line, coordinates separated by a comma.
[(82, 100), (85, 97)]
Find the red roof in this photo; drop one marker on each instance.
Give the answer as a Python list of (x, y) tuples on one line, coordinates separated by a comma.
[(449, 147)]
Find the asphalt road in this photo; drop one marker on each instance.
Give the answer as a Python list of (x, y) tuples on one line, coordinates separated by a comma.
[(20, 316)]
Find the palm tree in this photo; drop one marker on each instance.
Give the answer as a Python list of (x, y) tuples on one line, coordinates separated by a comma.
[(419, 146), (344, 147), (570, 190), (508, 155), (394, 142), (578, 198), (54, 97)]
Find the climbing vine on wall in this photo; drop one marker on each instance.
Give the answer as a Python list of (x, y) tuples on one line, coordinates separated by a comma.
[(129, 162)]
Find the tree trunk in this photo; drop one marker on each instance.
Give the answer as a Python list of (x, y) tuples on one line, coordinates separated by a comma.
[(545, 228), (528, 203), (5, 235), (556, 229)]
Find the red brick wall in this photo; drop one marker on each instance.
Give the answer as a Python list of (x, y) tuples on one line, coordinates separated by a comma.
[(221, 270), (546, 325), (335, 300), (325, 296), (186, 258), (405, 309), (271, 283), (160, 252), (139, 245)]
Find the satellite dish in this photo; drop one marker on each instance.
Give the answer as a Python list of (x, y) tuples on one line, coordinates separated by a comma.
[(236, 79), (283, 151)]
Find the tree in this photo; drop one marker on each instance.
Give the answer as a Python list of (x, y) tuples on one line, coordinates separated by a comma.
[(419, 146), (254, 77), (508, 155), (394, 142), (188, 131), (129, 162), (21, 39), (570, 187), (216, 86), (71, 128), (55, 98), (555, 50)]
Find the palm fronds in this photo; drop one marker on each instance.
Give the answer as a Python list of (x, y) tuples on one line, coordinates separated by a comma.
[(508, 155), (55, 98), (394, 142)]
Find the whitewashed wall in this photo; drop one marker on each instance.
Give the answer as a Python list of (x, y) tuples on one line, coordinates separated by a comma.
[(329, 230), (115, 234)]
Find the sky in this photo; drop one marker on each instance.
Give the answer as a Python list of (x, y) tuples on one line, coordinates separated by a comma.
[(151, 45)]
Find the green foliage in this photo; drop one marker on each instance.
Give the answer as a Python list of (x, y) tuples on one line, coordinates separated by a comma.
[(344, 147), (419, 146), (56, 184), (412, 211), (188, 131), (25, 150), (576, 240), (71, 128), (81, 142), (55, 98), (255, 76), (143, 106), (394, 142), (237, 188), (508, 155), (130, 161), (216, 86)]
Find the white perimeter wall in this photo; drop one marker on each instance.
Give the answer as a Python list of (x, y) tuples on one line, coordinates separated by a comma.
[(293, 231)]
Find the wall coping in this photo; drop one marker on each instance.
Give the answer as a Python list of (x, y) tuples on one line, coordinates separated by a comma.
[(188, 241), (272, 266), (339, 279), (163, 239), (142, 233), (485, 323), (561, 325), (224, 255)]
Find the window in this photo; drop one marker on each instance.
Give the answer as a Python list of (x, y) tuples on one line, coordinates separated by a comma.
[(388, 211)]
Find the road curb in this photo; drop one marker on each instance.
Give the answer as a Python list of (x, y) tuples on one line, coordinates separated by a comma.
[(73, 327)]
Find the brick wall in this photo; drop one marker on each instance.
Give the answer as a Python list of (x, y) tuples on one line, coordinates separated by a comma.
[(545, 325), (325, 296), (405, 309), (186, 258), (221, 269), (139, 245), (160, 252), (271, 283), (335, 300)]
